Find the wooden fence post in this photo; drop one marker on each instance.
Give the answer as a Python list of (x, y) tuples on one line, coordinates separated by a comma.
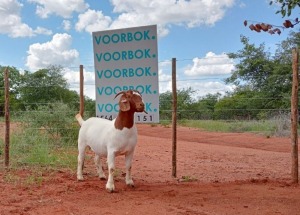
[(174, 119), (7, 119), (294, 116), (81, 77)]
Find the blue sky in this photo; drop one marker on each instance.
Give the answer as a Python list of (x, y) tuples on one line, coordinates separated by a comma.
[(198, 33)]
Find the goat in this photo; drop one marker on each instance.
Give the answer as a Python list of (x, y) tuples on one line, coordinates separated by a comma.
[(111, 138)]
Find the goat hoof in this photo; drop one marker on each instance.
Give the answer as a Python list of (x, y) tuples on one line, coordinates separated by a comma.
[(79, 178), (102, 177), (130, 185), (110, 188)]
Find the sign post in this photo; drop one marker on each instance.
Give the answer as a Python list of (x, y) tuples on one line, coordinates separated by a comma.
[(126, 59)]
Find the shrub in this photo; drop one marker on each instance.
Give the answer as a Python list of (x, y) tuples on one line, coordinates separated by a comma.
[(282, 125), (47, 137), (56, 120)]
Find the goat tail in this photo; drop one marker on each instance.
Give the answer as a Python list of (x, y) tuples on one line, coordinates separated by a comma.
[(79, 119)]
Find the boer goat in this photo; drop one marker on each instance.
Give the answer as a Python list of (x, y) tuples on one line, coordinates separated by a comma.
[(111, 138)]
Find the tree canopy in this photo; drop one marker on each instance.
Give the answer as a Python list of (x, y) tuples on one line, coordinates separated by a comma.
[(267, 77), (286, 6), (41, 88)]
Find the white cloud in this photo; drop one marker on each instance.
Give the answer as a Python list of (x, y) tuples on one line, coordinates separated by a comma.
[(165, 77), (11, 22), (164, 13), (211, 64), (55, 52), (92, 20), (165, 82), (72, 77), (203, 88), (66, 24), (181, 12), (242, 5), (40, 30), (63, 8)]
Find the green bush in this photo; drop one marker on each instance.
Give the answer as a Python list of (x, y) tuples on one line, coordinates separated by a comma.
[(47, 137), (57, 120), (33, 147)]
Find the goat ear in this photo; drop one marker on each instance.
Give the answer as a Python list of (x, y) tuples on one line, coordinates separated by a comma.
[(124, 104)]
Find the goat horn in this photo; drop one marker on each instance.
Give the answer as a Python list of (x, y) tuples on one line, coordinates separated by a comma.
[(119, 93), (137, 92)]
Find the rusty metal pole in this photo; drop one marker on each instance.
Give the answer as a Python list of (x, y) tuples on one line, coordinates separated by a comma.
[(174, 120), (81, 110), (7, 119), (294, 116)]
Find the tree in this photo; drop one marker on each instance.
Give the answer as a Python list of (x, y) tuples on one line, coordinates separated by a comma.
[(268, 77), (254, 67), (204, 108), (286, 6), (184, 102), (15, 81), (89, 107), (242, 104), (45, 86)]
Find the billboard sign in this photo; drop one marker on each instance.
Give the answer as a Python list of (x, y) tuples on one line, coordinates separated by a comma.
[(126, 59)]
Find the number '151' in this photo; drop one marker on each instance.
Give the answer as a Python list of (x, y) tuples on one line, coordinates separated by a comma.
[(145, 118)]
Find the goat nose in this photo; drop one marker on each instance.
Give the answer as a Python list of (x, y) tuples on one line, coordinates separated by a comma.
[(140, 106)]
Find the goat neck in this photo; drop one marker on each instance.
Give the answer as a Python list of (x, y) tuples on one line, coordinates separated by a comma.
[(125, 119)]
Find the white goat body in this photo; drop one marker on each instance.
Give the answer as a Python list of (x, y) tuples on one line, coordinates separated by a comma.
[(101, 136)]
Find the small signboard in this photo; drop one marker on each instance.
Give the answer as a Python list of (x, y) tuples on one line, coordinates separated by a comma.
[(126, 59)]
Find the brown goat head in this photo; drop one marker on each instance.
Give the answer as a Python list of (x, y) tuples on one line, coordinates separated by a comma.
[(131, 100)]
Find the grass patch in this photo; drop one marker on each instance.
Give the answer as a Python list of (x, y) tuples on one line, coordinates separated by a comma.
[(45, 138), (166, 123), (24, 178), (12, 178), (187, 178), (266, 127), (33, 147)]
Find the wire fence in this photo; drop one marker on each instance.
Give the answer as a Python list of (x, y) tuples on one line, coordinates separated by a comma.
[(48, 138), (47, 134)]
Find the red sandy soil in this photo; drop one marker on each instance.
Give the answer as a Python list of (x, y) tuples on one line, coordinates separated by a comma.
[(217, 173)]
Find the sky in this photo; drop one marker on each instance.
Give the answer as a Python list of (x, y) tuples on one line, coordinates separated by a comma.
[(35, 34)]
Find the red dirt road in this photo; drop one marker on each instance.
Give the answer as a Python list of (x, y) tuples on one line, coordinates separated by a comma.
[(217, 173)]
